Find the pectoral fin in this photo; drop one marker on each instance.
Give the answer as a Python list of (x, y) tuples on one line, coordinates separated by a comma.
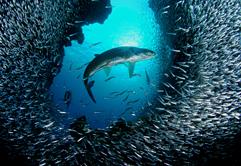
[(107, 71), (91, 84), (131, 67), (88, 88)]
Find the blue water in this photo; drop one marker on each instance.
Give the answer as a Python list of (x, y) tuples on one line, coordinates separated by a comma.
[(131, 23)]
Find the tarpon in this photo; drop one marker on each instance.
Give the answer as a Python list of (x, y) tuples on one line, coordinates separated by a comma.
[(67, 97), (109, 78), (119, 55)]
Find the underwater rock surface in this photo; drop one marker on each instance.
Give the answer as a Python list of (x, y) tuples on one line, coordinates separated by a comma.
[(195, 120)]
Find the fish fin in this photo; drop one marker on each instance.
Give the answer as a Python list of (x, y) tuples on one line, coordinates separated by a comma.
[(107, 71), (147, 77), (91, 84), (131, 67), (88, 88)]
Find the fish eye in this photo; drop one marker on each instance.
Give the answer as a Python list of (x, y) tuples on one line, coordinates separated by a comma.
[(103, 100)]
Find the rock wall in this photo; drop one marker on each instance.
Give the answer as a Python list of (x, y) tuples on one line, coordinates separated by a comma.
[(195, 121)]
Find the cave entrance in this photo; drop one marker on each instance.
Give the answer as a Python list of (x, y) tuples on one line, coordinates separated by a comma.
[(131, 23)]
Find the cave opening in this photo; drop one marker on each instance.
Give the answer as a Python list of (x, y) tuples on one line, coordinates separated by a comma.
[(131, 23)]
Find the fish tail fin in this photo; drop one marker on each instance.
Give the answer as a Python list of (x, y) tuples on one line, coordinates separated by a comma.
[(88, 88)]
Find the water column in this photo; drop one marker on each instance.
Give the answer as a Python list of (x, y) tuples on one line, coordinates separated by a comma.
[(131, 23)]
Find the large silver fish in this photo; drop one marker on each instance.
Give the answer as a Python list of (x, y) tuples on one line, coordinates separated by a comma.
[(119, 55)]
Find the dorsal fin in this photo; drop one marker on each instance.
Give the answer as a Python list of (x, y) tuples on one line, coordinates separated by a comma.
[(131, 67), (107, 71)]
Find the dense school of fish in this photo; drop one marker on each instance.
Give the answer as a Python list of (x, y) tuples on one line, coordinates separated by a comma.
[(196, 115)]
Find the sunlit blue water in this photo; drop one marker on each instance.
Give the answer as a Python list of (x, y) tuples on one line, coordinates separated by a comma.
[(131, 23)]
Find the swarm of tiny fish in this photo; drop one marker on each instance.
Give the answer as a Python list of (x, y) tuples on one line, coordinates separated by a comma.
[(195, 117), (32, 35)]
